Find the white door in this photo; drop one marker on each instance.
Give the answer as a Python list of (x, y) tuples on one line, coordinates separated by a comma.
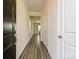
[(67, 29)]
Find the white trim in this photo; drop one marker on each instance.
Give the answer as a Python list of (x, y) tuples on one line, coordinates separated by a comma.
[(35, 13)]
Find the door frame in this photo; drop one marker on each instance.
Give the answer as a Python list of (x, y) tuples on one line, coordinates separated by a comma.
[(60, 28)]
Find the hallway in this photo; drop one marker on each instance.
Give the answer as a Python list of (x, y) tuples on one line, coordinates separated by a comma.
[(56, 21), (35, 49), (39, 29)]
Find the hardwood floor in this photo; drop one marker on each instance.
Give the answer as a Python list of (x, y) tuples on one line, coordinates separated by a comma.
[(35, 50)]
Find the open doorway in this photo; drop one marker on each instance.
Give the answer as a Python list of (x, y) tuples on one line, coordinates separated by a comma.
[(36, 28)]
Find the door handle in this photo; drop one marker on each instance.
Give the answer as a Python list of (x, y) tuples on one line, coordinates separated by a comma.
[(59, 36)]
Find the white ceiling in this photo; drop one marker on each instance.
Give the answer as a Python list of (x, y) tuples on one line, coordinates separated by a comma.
[(36, 5)]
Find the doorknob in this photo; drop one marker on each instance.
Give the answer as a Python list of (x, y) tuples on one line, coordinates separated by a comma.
[(59, 36)]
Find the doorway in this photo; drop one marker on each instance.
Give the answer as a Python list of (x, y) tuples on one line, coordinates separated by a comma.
[(36, 28)]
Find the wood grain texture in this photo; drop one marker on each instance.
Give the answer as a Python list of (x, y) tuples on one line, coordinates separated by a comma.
[(35, 50)]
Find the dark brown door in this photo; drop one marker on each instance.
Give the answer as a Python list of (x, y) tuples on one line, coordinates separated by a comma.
[(9, 21)]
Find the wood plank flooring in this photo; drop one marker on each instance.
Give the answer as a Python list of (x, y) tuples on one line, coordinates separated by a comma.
[(35, 50)]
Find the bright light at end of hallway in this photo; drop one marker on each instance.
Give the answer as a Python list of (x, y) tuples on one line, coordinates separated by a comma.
[(39, 27)]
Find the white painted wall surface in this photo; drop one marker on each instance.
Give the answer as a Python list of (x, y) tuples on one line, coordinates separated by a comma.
[(44, 26), (49, 30), (23, 29)]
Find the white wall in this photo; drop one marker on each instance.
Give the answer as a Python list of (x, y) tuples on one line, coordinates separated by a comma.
[(44, 26), (23, 29), (49, 28), (53, 29)]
